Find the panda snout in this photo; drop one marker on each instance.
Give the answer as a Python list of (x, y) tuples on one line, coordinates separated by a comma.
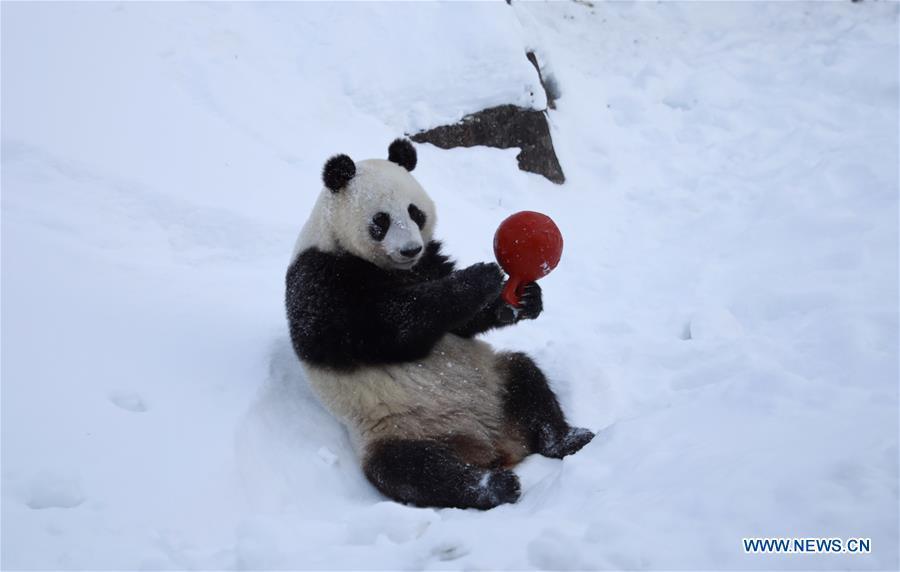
[(411, 250)]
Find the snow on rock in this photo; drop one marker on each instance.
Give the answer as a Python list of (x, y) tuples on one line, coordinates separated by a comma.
[(725, 314)]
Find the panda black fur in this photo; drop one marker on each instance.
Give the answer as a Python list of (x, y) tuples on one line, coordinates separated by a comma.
[(383, 324)]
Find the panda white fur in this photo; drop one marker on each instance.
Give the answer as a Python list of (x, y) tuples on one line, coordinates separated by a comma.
[(384, 324)]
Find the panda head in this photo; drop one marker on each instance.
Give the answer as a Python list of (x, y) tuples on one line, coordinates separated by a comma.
[(376, 210)]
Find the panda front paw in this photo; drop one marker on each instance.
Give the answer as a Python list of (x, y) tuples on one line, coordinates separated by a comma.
[(485, 278), (530, 306), (506, 314), (531, 302)]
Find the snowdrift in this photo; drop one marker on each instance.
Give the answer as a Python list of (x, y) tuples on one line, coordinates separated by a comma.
[(725, 313)]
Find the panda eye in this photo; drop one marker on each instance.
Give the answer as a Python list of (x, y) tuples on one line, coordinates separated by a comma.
[(379, 226), (417, 215)]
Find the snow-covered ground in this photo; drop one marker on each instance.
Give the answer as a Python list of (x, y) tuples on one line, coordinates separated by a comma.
[(725, 313)]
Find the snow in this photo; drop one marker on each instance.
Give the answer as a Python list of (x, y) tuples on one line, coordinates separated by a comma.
[(725, 313)]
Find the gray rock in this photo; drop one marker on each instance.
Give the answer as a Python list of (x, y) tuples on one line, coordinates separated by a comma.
[(503, 127)]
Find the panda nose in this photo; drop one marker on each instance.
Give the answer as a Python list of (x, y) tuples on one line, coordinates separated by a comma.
[(411, 251)]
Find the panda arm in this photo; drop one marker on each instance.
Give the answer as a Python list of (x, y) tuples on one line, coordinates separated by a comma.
[(343, 311), (498, 314), (487, 318), (435, 264), (406, 322)]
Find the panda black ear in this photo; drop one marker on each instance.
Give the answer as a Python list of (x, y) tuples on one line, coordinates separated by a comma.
[(403, 153), (337, 172)]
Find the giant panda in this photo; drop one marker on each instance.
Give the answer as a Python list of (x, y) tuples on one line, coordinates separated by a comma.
[(384, 326)]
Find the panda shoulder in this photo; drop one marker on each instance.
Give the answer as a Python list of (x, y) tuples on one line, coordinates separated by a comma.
[(320, 272)]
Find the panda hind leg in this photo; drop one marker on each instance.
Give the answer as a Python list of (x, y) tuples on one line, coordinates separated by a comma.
[(430, 473), (530, 404)]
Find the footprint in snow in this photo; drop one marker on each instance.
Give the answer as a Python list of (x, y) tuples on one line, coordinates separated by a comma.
[(713, 324), (128, 401), (449, 551), (625, 110), (554, 551), (54, 490)]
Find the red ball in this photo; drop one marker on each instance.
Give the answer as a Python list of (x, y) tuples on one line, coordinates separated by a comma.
[(528, 245)]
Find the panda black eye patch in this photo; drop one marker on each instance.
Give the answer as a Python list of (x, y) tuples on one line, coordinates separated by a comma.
[(379, 226), (417, 215)]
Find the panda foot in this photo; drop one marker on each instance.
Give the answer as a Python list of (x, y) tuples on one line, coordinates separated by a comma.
[(500, 487), (572, 442)]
